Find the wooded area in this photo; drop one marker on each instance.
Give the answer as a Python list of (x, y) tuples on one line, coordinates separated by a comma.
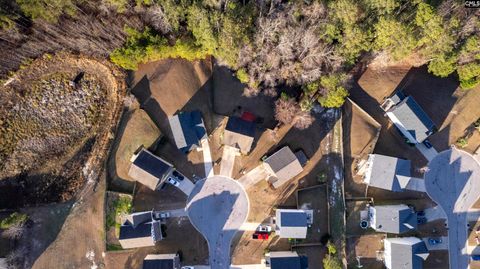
[(269, 43)]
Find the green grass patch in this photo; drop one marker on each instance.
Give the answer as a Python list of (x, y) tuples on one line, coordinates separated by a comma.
[(14, 219), (113, 247), (121, 206)]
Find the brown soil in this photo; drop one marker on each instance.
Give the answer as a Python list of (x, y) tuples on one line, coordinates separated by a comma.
[(360, 134), (52, 170), (136, 129), (81, 233), (365, 247)]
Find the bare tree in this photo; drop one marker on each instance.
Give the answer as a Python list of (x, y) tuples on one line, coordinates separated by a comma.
[(288, 111)]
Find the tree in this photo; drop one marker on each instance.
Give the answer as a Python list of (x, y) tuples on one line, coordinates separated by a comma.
[(288, 111), (381, 7), (331, 261), (200, 22), (334, 93), (49, 10), (394, 37), (469, 75), (441, 66)]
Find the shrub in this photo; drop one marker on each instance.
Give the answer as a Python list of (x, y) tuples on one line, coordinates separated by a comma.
[(242, 75), (331, 261), (334, 98), (462, 142), (12, 220)]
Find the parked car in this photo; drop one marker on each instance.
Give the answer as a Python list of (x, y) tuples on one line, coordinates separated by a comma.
[(427, 143), (475, 257), (161, 215), (260, 236), (173, 182), (177, 175), (434, 241), (264, 228), (188, 267)]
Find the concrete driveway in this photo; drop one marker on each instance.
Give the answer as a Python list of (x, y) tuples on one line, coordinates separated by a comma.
[(186, 186), (228, 159), (217, 208), (453, 182), (428, 153), (434, 213), (255, 175)]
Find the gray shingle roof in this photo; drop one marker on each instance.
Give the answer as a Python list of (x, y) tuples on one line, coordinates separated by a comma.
[(407, 253), (394, 219), (384, 171), (161, 261), (149, 169), (413, 118), (285, 166)]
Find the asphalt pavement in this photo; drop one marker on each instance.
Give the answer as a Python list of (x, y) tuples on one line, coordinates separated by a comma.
[(453, 182), (217, 207)]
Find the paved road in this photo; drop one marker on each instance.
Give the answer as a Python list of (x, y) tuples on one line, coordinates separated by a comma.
[(434, 213), (217, 208), (186, 186), (453, 182)]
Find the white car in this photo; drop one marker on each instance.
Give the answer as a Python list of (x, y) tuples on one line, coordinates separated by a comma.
[(161, 215), (173, 182), (264, 228), (187, 267)]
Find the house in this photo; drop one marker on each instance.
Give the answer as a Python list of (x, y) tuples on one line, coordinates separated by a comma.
[(148, 169), (285, 260), (404, 253), (140, 230), (385, 172), (293, 223), (395, 219), (283, 165), (161, 261), (409, 118), (188, 130), (239, 133)]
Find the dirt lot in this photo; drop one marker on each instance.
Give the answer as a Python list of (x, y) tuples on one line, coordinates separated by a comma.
[(314, 198), (360, 134), (228, 98), (136, 129), (315, 255), (83, 229), (366, 247)]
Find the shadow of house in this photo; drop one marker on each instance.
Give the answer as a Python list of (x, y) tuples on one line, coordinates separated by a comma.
[(210, 215), (229, 98)]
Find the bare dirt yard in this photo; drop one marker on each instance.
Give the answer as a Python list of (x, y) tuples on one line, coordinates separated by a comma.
[(135, 129), (360, 134), (81, 235)]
